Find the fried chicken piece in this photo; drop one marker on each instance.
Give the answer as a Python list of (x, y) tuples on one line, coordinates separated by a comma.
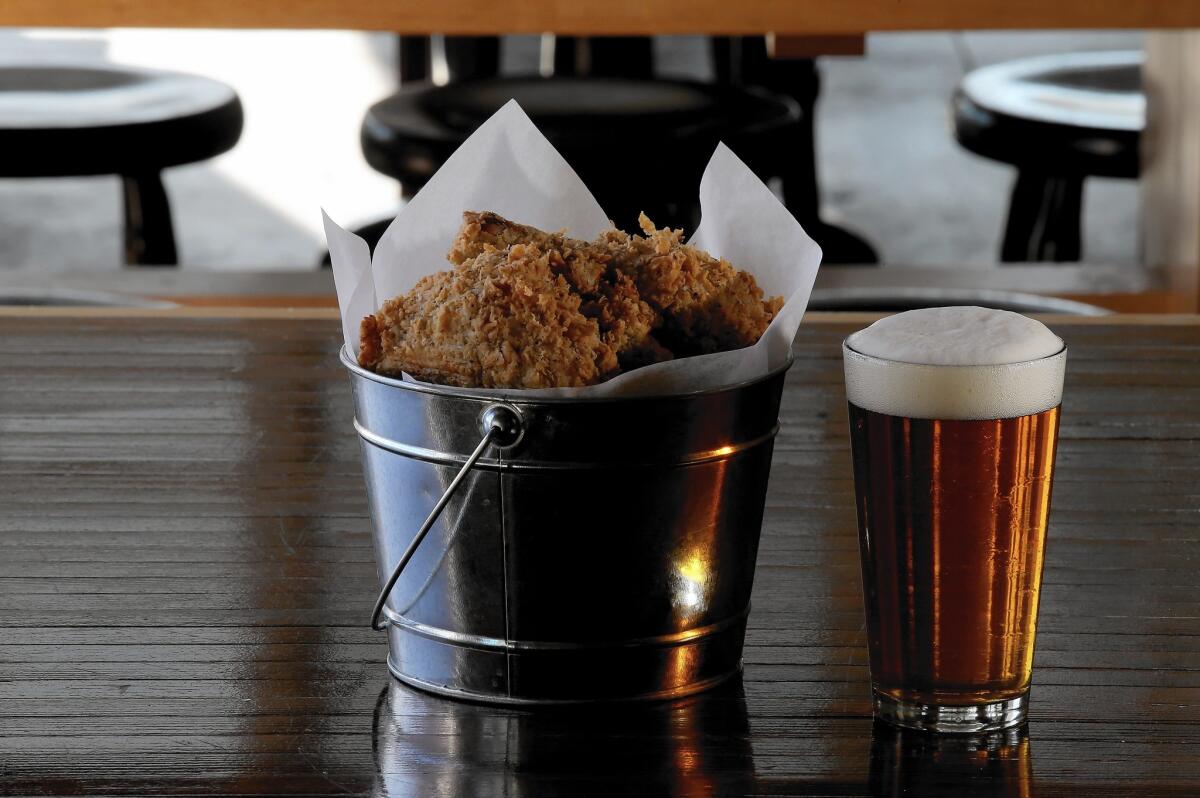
[(649, 353), (626, 322), (707, 304), (501, 319), (523, 308), (582, 264), (608, 295)]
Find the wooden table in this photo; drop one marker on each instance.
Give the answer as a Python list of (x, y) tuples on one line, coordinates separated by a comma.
[(187, 574), (1125, 290), (611, 17)]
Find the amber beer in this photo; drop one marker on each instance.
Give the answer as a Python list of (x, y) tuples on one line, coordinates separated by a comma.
[(953, 495), (958, 510)]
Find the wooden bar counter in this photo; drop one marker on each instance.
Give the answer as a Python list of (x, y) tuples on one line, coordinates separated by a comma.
[(187, 574), (636, 17)]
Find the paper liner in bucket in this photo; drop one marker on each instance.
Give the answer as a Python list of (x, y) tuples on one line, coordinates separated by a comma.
[(509, 167), (606, 549)]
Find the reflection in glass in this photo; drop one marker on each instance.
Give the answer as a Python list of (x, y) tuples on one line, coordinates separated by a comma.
[(910, 763), (696, 746)]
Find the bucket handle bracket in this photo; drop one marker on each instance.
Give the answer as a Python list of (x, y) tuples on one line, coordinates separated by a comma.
[(502, 426)]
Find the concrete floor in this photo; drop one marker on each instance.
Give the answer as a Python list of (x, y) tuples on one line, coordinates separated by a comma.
[(889, 165)]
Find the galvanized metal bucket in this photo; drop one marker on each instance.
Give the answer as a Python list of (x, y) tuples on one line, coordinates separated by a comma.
[(564, 550)]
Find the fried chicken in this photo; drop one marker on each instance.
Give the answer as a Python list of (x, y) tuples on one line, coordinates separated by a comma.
[(707, 304), (697, 303), (523, 308), (582, 264), (607, 295), (502, 319)]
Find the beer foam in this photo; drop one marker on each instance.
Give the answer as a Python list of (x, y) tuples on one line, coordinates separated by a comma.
[(955, 363)]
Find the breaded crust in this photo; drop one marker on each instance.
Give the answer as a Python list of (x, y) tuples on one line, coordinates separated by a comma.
[(524, 308), (707, 304), (581, 264), (607, 295), (499, 320)]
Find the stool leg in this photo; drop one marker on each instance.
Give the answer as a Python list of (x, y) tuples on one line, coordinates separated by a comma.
[(1044, 218), (469, 57), (1066, 220), (149, 235), (413, 59)]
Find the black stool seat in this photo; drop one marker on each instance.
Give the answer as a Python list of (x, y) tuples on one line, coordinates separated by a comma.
[(58, 121), (1078, 113), (1058, 119), (637, 144)]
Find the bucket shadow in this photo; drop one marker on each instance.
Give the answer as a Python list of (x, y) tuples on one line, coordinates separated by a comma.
[(693, 746)]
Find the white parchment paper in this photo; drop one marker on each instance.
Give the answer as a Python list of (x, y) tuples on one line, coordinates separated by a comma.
[(509, 167)]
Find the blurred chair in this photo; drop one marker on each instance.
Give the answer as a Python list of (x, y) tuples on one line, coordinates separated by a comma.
[(75, 121), (639, 144), (786, 153), (1058, 119), (744, 61)]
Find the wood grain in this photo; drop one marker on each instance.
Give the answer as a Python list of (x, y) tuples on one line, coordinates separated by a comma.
[(631, 17), (1124, 287), (1150, 319), (187, 567)]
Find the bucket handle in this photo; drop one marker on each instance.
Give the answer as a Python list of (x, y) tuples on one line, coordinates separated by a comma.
[(501, 426)]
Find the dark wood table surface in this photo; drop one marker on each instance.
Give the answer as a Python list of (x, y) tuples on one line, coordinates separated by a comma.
[(186, 574)]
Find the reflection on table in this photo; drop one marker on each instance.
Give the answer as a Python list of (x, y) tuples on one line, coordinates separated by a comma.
[(695, 746), (907, 763)]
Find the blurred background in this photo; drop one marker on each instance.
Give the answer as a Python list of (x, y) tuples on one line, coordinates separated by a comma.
[(894, 175)]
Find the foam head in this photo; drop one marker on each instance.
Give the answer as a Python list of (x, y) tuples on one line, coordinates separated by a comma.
[(955, 363)]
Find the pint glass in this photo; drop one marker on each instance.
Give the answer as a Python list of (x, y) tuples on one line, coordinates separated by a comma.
[(953, 453)]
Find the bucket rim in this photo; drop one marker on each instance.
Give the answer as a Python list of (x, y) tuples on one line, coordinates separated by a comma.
[(508, 397)]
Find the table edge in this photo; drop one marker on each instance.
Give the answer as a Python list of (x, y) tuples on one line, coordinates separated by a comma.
[(331, 314)]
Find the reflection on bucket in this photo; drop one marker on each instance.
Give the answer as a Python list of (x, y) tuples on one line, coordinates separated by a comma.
[(908, 763), (600, 549), (695, 746)]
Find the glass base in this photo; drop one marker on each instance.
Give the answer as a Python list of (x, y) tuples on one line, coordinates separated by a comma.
[(958, 719)]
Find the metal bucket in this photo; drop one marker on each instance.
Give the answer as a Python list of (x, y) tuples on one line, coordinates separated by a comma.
[(577, 550)]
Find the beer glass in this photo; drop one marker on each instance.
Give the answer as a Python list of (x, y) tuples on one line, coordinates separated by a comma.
[(953, 463)]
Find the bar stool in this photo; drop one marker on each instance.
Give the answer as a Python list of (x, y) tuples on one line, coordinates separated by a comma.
[(64, 121), (637, 144), (1058, 119), (744, 60)]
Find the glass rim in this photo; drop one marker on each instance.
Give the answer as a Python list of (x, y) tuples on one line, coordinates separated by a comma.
[(846, 346)]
